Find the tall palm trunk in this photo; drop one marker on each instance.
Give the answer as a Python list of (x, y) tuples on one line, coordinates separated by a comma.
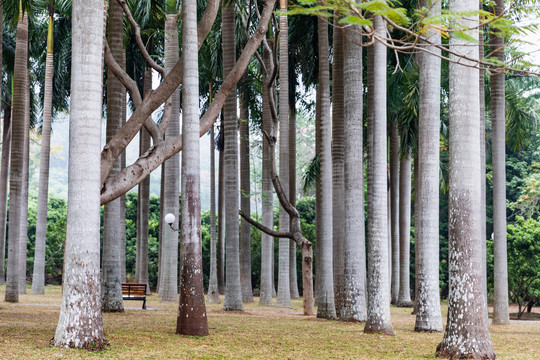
[(338, 150), (378, 314), (18, 130), (267, 241), (245, 228), (428, 308), (483, 178), (143, 203), (38, 279), (284, 286), (325, 289), (4, 178), (404, 297), (354, 259), (233, 290), (394, 209), (169, 264), (221, 221), (213, 291), (466, 332), (80, 324), (192, 318), (500, 272), (111, 282), (293, 278)]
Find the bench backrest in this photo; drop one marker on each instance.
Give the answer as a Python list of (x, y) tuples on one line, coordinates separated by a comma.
[(132, 289)]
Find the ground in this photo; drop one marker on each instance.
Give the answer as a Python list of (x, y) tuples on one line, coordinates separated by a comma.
[(259, 333)]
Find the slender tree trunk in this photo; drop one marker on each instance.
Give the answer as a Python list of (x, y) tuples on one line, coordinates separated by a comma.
[(111, 280), (192, 318), (500, 271), (213, 292), (245, 229), (293, 278), (233, 290), (428, 307), (338, 150), (354, 272), (394, 209), (143, 203), (378, 314), (4, 181), (404, 298), (267, 241), (466, 334), (325, 294), (169, 263), (284, 286), (221, 221), (80, 324), (38, 278)]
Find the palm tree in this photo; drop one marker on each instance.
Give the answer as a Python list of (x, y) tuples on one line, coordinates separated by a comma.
[(168, 290), (394, 209), (6, 148), (466, 332), (213, 291), (192, 311), (38, 279), (338, 150), (325, 283), (498, 148), (378, 313), (233, 291), (354, 262), (428, 309), (80, 323), (19, 129), (404, 296), (111, 282), (284, 286)]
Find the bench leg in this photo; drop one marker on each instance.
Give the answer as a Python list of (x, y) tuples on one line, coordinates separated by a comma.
[(144, 304)]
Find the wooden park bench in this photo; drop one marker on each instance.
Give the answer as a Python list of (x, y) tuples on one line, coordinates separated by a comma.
[(131, 291)]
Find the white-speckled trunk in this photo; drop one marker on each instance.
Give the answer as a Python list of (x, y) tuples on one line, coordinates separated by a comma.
[(428, 307), (466, 334), (293, 278), (213, 291), (80, 324), (354, 259), (233, 289), (4, 181), (168, 290), (394, 209), (338, 151), (404, 297), (378, 314), (284, 286), (325, 289), (267, 241), (498, 149)]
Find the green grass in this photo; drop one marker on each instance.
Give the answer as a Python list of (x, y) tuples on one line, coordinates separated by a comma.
[(259, 333)]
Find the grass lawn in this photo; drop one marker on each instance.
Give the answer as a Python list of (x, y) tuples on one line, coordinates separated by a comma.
[(258, 333)]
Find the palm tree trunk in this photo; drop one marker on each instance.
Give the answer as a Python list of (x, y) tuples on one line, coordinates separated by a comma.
[(483, 167), (293, 278), (404, 298), (233, 290), (80, 324), (143, 203), (245, 228), (38, 279), (169, 264), (428, 309), (111, 281), (4, 181), (221, 221), (500, 272), (338, 150), (213, 291), (267, 242), (466, 332), (378, 315), (354, 262), (394, 209), (192, 318), (284, 286), (325, 289)]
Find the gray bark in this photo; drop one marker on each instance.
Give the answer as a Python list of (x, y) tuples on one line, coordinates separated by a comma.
[(221, 222), (293, 278), (394, 209), (4, 182), (213, 291), (404, 297)]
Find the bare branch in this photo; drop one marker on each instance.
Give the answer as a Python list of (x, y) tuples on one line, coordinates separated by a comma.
[(264, 229)]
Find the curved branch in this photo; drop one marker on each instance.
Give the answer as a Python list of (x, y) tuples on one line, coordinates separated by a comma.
[(264, 229)]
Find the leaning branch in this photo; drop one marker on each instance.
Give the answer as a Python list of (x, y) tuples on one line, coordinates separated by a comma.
[(264, 229)]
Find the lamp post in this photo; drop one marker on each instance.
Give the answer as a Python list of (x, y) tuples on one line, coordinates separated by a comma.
[(169, 219)]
